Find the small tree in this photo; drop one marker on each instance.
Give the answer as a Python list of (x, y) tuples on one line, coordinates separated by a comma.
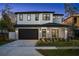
[(3, 28), (8, 23), (5, 22), (6, 17)]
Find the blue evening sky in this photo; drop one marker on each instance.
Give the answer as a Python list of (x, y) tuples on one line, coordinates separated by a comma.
[(56, 7)]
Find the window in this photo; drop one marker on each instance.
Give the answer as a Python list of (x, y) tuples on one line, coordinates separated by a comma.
[(21, 17), (75, 19), (36, 17), (16, 18), (55, 33), (54, 20), (28, 17), (46, 16), (44, 33)]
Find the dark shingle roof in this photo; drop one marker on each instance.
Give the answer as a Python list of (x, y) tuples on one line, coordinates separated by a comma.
[(42, 25), (58, 14)]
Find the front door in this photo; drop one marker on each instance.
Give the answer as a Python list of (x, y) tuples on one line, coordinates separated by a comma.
[(55, 33), (43, 33)]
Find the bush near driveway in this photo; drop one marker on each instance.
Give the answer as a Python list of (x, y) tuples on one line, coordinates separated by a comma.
[(3, 36), (59, 43)]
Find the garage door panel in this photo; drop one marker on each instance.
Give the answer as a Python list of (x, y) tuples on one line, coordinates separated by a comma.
[(28, 33)]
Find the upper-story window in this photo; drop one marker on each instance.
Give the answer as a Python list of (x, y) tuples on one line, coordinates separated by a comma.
[(75, 19), (21, 17), (55, 19), (46, 16), (16, 17), (28, 17), (36, 17)]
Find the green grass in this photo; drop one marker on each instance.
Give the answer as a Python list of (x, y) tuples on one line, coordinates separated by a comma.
[(5, 42), (59, 52), (58, 43)]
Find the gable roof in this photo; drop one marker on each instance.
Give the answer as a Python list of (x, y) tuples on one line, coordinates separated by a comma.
[(74, 15)]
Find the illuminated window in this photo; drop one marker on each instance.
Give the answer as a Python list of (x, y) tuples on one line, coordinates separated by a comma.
[(44, 33), (28, 17), (55, 33), (46, 16)]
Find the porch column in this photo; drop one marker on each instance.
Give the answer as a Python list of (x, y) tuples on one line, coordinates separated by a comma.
[(16, 33), (65, 37)]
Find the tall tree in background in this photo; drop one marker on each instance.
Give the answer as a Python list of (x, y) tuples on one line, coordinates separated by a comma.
[(6, 17), (5, 22), (70, 10)]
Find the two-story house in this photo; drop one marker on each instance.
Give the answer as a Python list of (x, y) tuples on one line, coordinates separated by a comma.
[(39, 24)]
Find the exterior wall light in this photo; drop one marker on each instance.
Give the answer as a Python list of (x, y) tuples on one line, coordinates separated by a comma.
[(40, 31), (47, 31), (16, 31), (65, 33)]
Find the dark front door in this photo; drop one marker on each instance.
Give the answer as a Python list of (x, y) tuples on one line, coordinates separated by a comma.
[(28, 34)]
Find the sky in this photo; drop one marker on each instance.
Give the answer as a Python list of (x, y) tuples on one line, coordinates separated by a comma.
[(54, 7)]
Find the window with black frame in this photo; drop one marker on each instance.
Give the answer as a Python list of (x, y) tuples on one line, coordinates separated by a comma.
[(46, 16), (75, 20), (21, 17), (44, 33), (36, 17)]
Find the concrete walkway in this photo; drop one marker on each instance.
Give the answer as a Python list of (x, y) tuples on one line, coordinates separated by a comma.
[(18, 51), (56, 47), (22, 43), (19, 48)]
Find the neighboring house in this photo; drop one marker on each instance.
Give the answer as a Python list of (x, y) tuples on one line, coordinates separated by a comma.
[(73, 21), (40, 24)]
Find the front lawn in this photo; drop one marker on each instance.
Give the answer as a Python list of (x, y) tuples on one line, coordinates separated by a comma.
[(58, 43), (59, 52)]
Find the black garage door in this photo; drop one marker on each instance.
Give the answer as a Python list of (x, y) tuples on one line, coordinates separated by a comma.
[(28, 33)]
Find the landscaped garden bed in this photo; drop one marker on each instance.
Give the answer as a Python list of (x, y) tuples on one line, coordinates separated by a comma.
[(58, 43), (59, 52), (4, 40)]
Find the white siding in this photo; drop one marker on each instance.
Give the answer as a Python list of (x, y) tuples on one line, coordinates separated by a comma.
[(58, 19), (12, 35), (53, 19), (62, 33), (33, 21)]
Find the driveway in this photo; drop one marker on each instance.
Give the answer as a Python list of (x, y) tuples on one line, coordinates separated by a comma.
[(19, 48)]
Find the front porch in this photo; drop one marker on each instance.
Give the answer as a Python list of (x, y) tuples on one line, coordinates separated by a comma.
[(52, 33)]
